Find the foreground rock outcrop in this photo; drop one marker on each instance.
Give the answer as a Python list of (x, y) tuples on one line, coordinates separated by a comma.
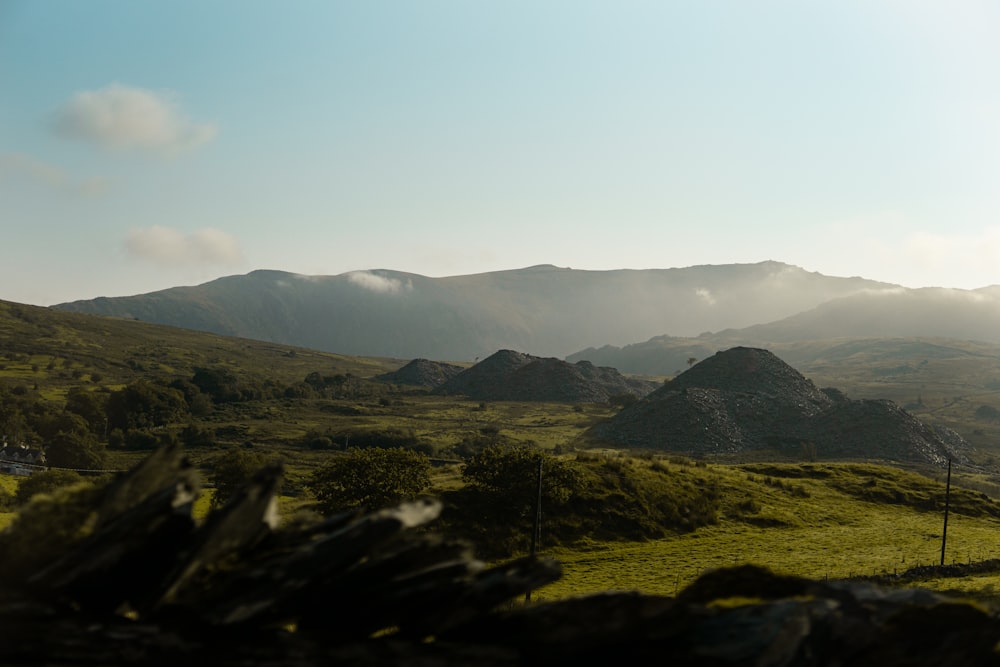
[(748, 400), (122, 575)]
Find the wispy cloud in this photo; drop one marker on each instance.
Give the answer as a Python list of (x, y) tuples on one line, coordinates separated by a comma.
[(376, 283), (169, 247), (705, 295), (18, 166), (124, 118)]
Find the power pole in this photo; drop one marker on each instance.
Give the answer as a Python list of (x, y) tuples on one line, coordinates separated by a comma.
[(947, 498), (536, 530)]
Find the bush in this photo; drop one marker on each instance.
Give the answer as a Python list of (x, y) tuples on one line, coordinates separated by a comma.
[(496, 507), (370, 478), (231, 470), (45, 481)]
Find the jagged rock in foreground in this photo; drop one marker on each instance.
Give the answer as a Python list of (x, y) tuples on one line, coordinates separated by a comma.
[(514, 376), (748, 400), (145, 585)]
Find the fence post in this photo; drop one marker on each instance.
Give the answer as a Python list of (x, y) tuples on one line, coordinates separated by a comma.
[(947, 498)]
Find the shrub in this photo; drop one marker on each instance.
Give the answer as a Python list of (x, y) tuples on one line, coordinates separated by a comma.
[(370, 478), (45, 481), (231, 470)]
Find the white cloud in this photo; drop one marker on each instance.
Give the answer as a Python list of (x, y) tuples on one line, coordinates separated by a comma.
[(170, 247), (124, 118), (18, 166), (377, 283), (705, 295)]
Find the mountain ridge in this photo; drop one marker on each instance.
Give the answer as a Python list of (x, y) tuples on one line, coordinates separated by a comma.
[(547, 310)]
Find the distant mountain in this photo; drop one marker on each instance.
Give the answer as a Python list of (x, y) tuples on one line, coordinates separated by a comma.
[(515, 376), (927, 312), (747, 400), (904, 322), (546, 310)]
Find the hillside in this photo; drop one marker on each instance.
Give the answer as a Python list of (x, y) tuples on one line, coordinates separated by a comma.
[(53, 350), (745, 401), (927, 312), (514, 376), (547, 310)]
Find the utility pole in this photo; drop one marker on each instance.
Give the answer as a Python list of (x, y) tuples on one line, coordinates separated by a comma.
[(536, 529), (947, 498)]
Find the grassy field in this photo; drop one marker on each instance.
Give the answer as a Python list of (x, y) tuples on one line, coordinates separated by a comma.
[(809, 528)]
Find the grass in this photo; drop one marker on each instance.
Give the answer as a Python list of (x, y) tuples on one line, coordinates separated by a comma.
[(889, 540), (811, 528), (813, 520)]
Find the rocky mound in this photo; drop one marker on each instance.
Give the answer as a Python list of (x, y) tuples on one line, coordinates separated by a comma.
[(748, 370), (515, 376), (481, 381), (422, 373), (747, 399)]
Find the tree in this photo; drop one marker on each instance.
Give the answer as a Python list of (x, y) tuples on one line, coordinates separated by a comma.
[(144, 405), (370, 478), (91, 405), (45, 481), (506, 479), (231, 470), (219, 383), (193, 435), (68, 449), (495, 508)]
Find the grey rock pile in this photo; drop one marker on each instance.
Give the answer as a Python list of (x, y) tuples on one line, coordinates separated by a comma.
[(747, 400), (514, 376)]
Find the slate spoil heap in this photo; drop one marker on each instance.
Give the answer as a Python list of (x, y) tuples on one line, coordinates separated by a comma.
[(422, 373), (138, 582), (748, 400), (514, 376)]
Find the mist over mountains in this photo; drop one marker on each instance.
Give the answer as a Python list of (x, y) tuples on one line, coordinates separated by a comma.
[(551, 311)]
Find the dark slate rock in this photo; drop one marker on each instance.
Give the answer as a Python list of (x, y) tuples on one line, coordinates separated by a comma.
[(748, 400), (422, 373), (514, 376)]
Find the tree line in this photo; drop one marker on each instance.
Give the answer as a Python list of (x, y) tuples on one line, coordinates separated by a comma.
[(77, 432)]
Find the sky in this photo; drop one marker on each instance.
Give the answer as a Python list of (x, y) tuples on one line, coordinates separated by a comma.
[(145, 145)]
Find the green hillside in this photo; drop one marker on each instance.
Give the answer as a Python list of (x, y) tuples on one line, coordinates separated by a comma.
[(55, 350)]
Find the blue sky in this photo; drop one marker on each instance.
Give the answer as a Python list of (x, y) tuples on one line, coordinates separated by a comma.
[(145, 145)]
